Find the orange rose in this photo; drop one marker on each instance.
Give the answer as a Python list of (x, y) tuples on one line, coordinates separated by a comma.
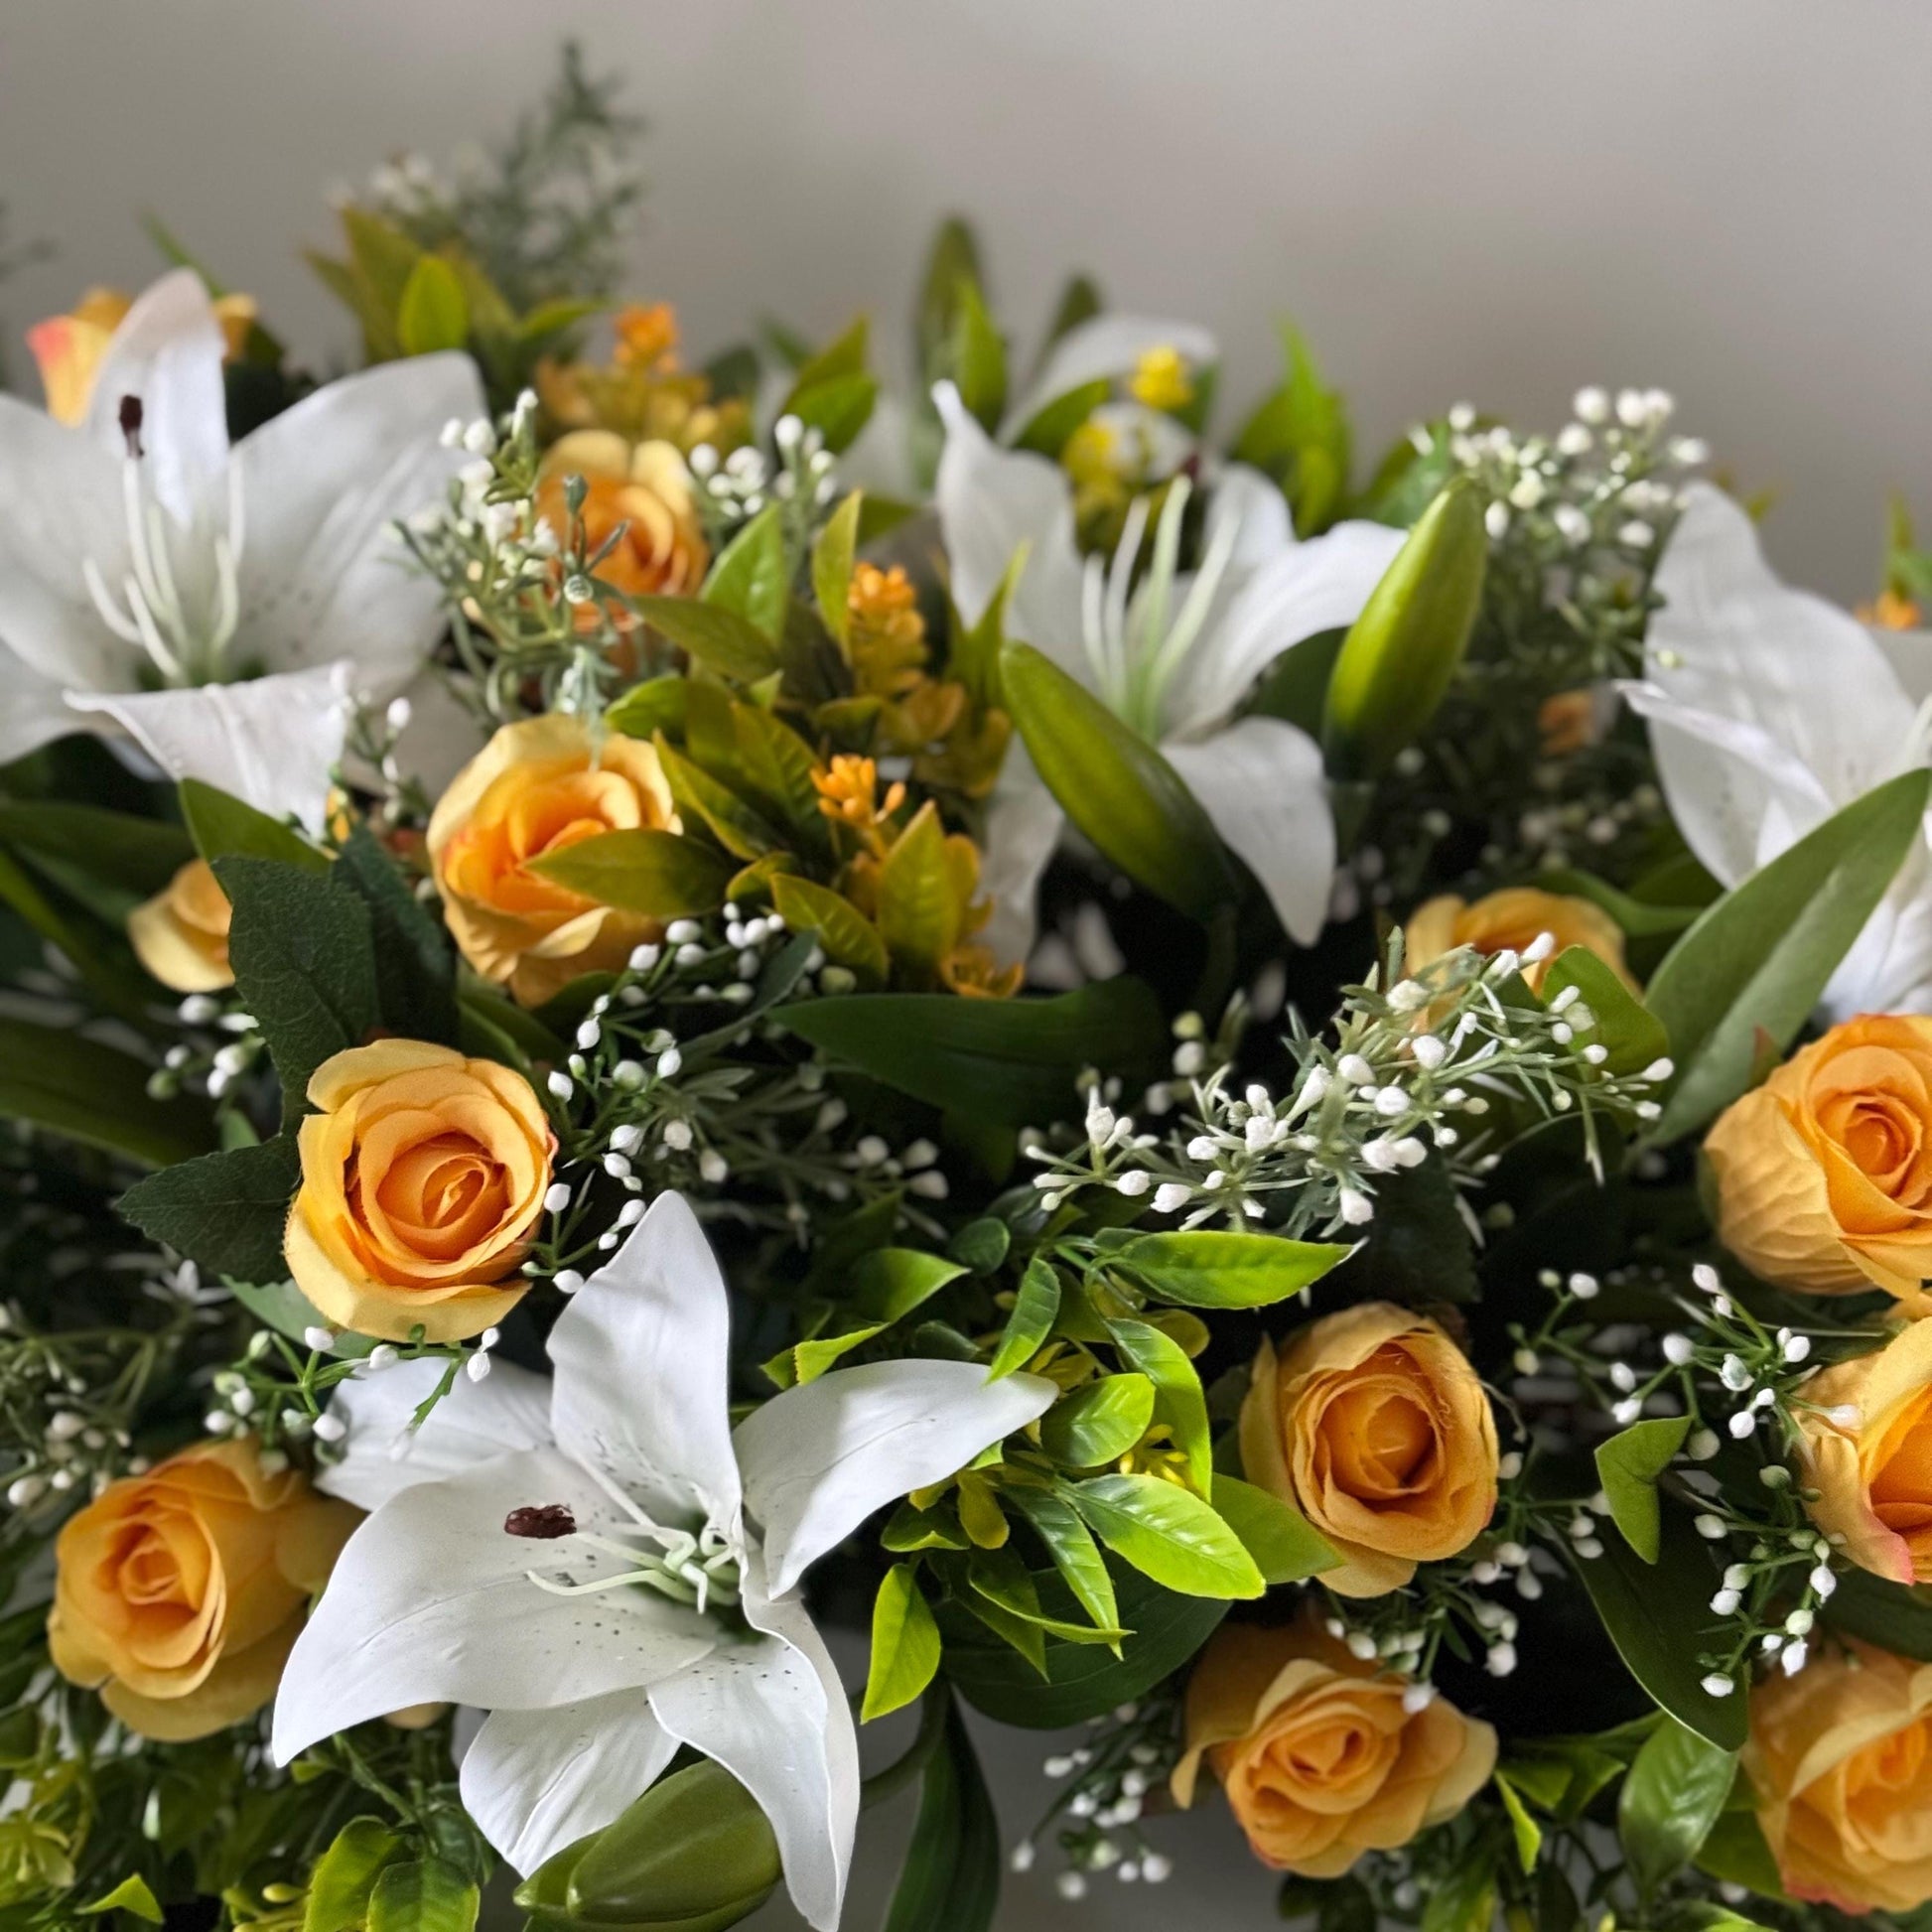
[(179, 1592), (1510, 921), (1871, 1465), (643, 487), (68, 349), (180, 935), (1839, 1757), (1319, 1756), (533, 789), (1373, 1424), (1824, 1173), (423, 1175)]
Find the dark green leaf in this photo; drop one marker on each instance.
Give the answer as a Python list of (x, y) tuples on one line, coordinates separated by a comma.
[(979, 357), (1285, 1546), (719, 639), (844, 355), (1045, 432), (1629, 1465), (950, 1881), (224, 1211), (838, 408), (1894, 1616), (1676, 1787), (95, 1095), (1757, 961), (223, 827), (140, 855), (415, 970), (661, 875)]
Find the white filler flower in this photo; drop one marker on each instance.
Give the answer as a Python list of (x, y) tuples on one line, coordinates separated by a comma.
[(609, 1570)]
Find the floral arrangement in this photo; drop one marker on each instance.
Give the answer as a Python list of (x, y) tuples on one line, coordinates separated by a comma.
[(1275, 1117)]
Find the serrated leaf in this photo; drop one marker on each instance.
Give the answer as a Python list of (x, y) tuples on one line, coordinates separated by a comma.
[(1035, 1308), (415, 969), (1168, 1533), (661, 875), (905, 1644), (225, 1211)]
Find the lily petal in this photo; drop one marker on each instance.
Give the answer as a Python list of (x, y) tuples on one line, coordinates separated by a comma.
[(993, 504), (36, 711), (1023, 827), (536, 1781), (1262, 783), (640, 1361), (383, 1454), (819, 1458), (271, 742), (432, 1603), (773, 1714), (166, 352), (1295, 593), (323, 575), (1109, 347)]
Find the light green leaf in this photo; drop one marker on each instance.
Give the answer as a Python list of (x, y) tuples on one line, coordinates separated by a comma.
[(838, 408), (656, 705), (1628, 1466), (1071, 1545), (717, 639), (1526, 1831), (1179, 1401), (850, 938), (1631, 1035), (1285, 1546), (752, 577), (1098, 1422), (979, 357), (434, 313), (1035, 1308), (845, 355), (1045, 432), (346, 1875), (904, 1643), (659, 873), (422, 1896), (887, 1284), (1671, 1796), (133, 1894), (1206, 1270), (736, 824), (919, 912), (1000, 1578), (833, 557), (283, 1307), (1168, 1533), (1757, 961)]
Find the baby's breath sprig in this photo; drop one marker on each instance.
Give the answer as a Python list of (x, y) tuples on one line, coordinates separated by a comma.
[(1410, 1073), (1095, 1817), (800, 473)]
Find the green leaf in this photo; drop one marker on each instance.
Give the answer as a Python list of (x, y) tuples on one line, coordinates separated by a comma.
[(1179, 1401), (1628, 1466), (848, 937), (1659, 1618), (1035, 1308), (1638, 918), (422, 1896), (779, 765), (752, 578), (1757, 961), (1070, 1543), (844, 355), (1675, 1789), (950, 1880), (133, 1894), (979, 357), (735, 823), (1000, 1578), (283, 1307), (303, 948), (1735, 1852), (838, 408), (1099, 1423), (660, 873), (384, 255), (954, 260), (1631, 1035), (1299, 436), (1168, 1533), (1894, 1616), (1464, 1898), (1204, 1269), (224, 1211), (710, 635), (1405, 648), (904, 1643), (1085, 1681), (96, 1094), (887, 1284), (343, 1877), (1285, 1546), (415, 970), (1116, 786), (1526, 1831), (223, 827), (433, 314), (1014, 1061), (1045, 432), (833, 557), (140, 855), (918, 912)]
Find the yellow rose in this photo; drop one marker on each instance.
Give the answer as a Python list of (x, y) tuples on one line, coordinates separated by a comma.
[(534, 789), (68, 349), (1320, 1757), (180, 935), (422, 1178), (1373, 1424), (1510, 921), (1824, 1173), (1873, 1470), (644, 488), (179, 1592), (1839, 1757)]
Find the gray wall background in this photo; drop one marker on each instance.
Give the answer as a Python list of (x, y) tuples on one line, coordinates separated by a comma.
[(1491, 200)]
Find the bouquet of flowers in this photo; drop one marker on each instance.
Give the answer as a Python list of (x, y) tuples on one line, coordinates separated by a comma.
[(1279, 1118)]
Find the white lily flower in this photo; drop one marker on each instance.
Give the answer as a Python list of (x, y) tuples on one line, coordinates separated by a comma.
[(217, 604), (1173, 654), (1770, 709), (610, 1571)]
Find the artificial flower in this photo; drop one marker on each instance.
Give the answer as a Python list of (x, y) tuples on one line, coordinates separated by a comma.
[(423, 1175), (1373, 1424), (1512, 920), (1824, 1173), (1771, 710), (639, 493), (1866, 1425), (1838, 1758), (218, 605), (179, 1592), (535, 789), (611, 1571), (1172, 652), (180, 935), (1321, 1753), (70, 348)]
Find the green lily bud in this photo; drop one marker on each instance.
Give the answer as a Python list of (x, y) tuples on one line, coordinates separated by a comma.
[(693, 1853), (1402, 651)]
